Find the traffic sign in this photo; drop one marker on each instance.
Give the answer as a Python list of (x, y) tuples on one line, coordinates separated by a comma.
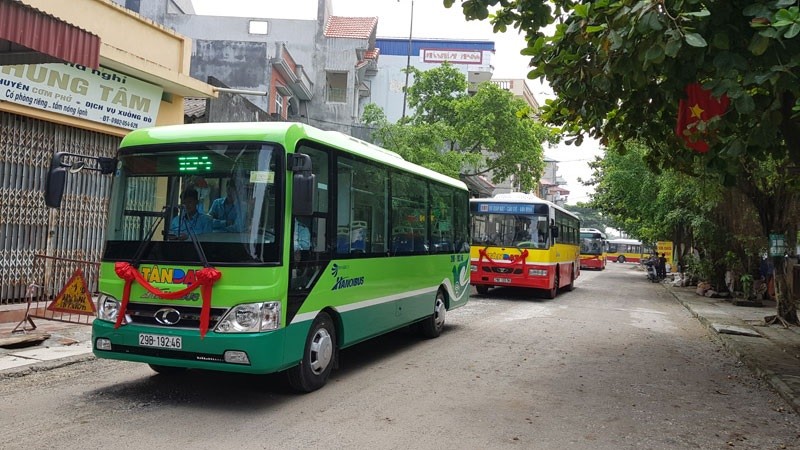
[(74, 298)]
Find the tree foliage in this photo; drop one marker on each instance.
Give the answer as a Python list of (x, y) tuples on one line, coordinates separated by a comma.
[(489, 132), (619, 69), (591, 217)]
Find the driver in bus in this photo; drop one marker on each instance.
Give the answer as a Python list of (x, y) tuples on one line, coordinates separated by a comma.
[(190, 218)]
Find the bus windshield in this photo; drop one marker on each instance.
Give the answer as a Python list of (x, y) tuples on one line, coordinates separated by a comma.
[(511, 230), (592, 243), (226, 195)]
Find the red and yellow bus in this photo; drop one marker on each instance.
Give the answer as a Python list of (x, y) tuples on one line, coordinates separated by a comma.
[(593, 249), (625, 250), (523, 241)]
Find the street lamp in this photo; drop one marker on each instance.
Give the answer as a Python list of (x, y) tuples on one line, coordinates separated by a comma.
[(408, 58)]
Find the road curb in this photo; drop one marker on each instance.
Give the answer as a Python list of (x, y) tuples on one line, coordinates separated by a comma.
[(44, 366)]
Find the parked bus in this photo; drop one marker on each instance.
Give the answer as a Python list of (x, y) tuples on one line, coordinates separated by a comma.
[(625, 250), (593, 249), (521, 240), (332, 241)]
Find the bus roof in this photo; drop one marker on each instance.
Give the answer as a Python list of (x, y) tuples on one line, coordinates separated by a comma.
[(624, 241), (593, 231), (288, 133)]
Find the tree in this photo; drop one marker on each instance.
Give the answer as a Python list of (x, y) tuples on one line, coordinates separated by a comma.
[(619, 69), (590, 217), (489, 132)]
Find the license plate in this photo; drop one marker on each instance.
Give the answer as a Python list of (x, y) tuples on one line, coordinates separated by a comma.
[(502, 280), (157, 340)]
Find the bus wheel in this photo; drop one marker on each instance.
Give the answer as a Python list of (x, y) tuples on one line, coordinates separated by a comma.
[(432, 326), (552, 292), (482, 289), (621, 259), (167, 370), (318, 358)]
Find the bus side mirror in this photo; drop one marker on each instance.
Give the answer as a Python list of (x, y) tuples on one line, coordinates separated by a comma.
[(303, 184), (56, 180), (63, 162), (554, 232)]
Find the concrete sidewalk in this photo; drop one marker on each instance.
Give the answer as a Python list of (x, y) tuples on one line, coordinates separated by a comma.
[(772, 352), (60, 344)]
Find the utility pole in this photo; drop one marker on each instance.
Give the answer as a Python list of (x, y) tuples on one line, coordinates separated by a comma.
[(408, 58)]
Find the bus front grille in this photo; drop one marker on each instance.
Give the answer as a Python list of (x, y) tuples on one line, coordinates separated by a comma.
[(189, 316)]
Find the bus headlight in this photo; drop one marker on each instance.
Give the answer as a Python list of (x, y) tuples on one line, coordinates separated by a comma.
[(251, 318), (473, 268), (537, 273), (108, 308)]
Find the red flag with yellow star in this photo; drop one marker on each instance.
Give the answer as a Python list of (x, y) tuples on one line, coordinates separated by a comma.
[(698, 106)]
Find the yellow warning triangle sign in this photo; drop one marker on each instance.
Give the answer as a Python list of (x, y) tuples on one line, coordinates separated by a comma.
[(74, 298)]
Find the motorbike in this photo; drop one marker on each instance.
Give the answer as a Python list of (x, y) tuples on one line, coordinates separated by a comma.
[(652, 272)]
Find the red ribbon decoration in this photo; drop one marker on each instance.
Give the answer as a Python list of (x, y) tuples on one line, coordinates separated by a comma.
[(206, 278)]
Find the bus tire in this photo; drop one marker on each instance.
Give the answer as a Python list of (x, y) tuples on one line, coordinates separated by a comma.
[(318, 357), (166, 370), (432, 326), (552, 292), (482, 289), (621, 259)]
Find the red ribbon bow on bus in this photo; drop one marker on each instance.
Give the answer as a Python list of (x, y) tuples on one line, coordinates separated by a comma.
[(206, 278), (523, 255)]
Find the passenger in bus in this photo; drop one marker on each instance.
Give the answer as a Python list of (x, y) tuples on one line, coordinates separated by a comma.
[(189, 218), (226, 211)]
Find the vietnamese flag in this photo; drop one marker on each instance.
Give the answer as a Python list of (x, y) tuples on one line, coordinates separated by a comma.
[(698, 106)]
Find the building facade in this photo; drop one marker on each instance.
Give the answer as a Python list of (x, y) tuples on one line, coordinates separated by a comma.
[(80, 96), (472, 58)]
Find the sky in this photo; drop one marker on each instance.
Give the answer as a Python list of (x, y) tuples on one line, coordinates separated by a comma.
[(431, 20)]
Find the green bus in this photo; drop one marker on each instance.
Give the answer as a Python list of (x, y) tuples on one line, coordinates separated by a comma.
[(267, 247)]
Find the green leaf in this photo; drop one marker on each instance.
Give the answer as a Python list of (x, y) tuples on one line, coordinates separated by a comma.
[(654, 53), (721, 41), (785, 15), (792, 31), (756, 10), (695, 40), (702, 13), (758, 45), (769, 33), (581, 10), (744, 104), (673, 46), (596, 28), (782, 3), (735, 148)]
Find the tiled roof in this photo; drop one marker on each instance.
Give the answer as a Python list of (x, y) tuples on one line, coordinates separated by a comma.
[(372, 54), (351, 27), (194, 107)]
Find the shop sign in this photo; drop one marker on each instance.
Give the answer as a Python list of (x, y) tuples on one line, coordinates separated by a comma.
[(100, 95), (436, 55)]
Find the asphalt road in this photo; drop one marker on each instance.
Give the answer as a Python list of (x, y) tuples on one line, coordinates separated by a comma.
[(615, 364)]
